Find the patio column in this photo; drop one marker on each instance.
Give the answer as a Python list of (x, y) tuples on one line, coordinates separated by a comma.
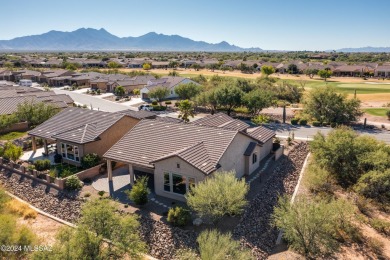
[(131, 171), (109, 170), (34, 144), (45, 146)]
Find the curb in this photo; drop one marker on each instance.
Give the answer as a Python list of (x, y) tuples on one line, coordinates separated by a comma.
[(280, 235)]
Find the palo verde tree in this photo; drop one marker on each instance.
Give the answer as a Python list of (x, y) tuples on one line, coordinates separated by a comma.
[(325, 74), (267, 70), (188, 90), (186, 109), (219, 195), (208, 99), (120, 91), (159, 93), (324, 104), (99, 221), (35, 113), (229, 96)]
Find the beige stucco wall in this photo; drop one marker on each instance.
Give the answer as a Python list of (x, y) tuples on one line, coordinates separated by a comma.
[(266, 149), (111, 136), (234, 159), (169, 165)]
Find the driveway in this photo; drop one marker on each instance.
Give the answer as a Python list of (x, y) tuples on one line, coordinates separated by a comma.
[(95, 102)]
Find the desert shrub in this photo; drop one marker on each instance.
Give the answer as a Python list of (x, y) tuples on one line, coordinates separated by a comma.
[(11, 151), (376, 246), (87, 195), (101, 193), (316, 123), (312, 227), (261, 119), (215, 245), (57, 158), (168, 102), (375, 185), (159, 108), (179, 216), (73, 183), (154, 103), (21, 209), (303, 122), (98, 91), (294, 121), (90, 160), (380, 225), (318, 179), (139, 192), (42, 165), (66, 173)]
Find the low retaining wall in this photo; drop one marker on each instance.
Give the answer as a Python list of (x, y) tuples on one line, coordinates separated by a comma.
[(279, 152), (44, 178), (18, 127)]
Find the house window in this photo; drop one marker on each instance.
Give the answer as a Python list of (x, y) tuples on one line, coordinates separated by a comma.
[(254, 158), (178, 165), (70, 152), (167, 182), (177, 183)]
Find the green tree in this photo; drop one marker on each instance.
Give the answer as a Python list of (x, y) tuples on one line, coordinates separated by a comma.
[(208, 99), (188, 90), (215, 245), (99, 221), (256, 100), (200, 79), (136, 91), (217, 196), (348, 156), (113, 65), (7, 121), (195, 66), (312, 227), (120, 91), (159, 93), (229, 96), (267, 70), (186, 109), (71, 66), (325, 74), (292, 69), (35, 113), (147, 66), (311, 72), (173, 64), (375, 185), (139, 192), (324, 104)]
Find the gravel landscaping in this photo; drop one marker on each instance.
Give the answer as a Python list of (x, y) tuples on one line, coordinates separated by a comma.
[(254, 230)]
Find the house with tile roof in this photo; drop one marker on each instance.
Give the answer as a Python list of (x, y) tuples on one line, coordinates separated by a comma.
[(181, 155), (77, 131), (166, 82)]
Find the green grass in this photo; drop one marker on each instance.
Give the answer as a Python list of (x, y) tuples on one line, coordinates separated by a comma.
[(12, 136), (376, 111)]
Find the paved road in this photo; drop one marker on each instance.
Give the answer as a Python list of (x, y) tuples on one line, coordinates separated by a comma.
[(97, 103), (307, 133)]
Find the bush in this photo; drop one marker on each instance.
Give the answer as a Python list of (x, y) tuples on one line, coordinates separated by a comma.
[(316, 123), (139, 192), (159, 108), (177, 104), (73, 183), (42, 165), (21, 209), (333, 124), (90, 160), (261, 119), (87, 195), (375, 185), (294, 121), (303, 122), (380, 225), (11, 151), (101, 193), (66, 173), (98, 91), (317, 179), (168, 102), (58, 158), (376, 246), (179, 216), (154, 103), (388, 114)]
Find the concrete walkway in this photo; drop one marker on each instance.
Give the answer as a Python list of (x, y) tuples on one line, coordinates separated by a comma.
[(38, 155)]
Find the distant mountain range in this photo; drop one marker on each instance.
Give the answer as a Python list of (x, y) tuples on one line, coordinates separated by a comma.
[(365, 49), (85, 39)]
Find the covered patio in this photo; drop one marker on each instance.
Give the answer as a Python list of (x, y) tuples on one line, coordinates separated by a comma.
[(39, 154)]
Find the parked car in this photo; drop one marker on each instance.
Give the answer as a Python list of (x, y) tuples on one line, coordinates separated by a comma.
[(145, 107)]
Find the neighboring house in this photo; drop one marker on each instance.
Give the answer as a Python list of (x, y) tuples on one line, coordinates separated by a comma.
[(351, 70), (176, 156), (78, 131), (167, 82), (25, 82), (382, 71)]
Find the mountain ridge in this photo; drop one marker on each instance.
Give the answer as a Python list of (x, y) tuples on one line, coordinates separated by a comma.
[(84, 39)]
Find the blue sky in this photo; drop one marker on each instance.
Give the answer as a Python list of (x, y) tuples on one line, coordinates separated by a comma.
[(271, 25)]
